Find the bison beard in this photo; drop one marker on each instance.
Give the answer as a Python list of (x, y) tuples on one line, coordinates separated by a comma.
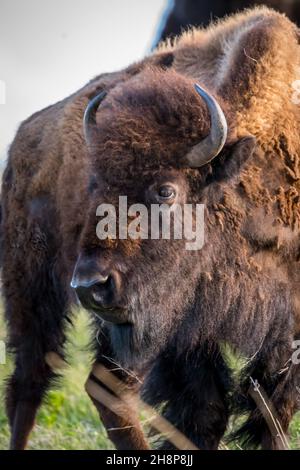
[(165, 312), (153, 322)]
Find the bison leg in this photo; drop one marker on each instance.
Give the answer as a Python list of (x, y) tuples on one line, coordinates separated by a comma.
[(117, 413), (195, 391), (26, 389), (24, 394), (35, 318)]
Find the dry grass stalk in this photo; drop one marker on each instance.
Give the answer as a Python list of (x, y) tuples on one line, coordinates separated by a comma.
[(121, 400), (265, 406)]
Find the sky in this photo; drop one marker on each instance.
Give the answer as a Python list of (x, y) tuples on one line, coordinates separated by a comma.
[(50, 48)]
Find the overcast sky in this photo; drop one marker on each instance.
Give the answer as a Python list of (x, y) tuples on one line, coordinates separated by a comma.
[(50, 48)]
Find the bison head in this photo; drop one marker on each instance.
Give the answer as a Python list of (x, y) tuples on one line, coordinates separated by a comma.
[(157, 138)]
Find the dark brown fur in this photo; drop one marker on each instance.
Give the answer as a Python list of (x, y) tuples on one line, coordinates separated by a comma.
[(241, 288)]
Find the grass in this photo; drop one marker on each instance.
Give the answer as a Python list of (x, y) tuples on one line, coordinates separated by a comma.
[(67, 419)]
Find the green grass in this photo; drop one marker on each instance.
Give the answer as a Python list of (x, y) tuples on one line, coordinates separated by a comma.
[(67, 419)]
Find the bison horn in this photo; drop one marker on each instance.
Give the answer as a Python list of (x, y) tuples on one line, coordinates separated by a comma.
[(89, 118), (212, 145)]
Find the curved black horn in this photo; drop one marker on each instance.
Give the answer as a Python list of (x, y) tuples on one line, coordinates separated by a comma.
[(89, 118), (212, 145)]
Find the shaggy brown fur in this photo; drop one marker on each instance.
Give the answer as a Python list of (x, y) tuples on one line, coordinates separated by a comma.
[(241, 288)]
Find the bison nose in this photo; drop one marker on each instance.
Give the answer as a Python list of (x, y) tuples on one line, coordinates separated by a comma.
[(96, 291), (99, 292), (87, 282)]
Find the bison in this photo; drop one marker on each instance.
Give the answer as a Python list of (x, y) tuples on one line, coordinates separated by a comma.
[(212, 119), (181, 14)]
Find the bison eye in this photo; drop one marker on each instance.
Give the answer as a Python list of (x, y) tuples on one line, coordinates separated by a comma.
[(166, 192)]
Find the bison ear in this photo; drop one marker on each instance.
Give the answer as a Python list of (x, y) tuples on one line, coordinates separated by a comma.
[(233, 160)]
